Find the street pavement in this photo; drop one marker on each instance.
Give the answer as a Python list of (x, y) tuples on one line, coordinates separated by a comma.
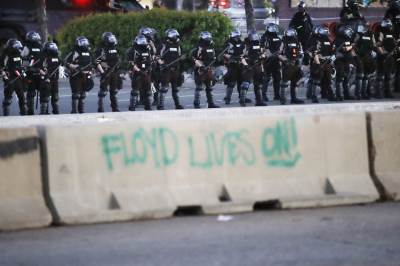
[(186, 95), (354, 236)]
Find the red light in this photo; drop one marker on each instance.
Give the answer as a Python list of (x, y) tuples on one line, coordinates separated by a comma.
[(224, 3), (82, 3)]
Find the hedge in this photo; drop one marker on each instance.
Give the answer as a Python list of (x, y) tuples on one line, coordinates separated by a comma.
[(126, 25)]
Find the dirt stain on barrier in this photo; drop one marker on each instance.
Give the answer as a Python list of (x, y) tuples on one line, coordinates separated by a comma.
[(9, 149)]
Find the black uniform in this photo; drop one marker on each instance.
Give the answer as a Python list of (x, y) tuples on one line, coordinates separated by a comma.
[(272, 66), (236, 74), (291, 70), (387, 48), (393, 13), (205, 55), (32, 55), (303, 24), (365, 62), (13, 76), (255, 57), (140, 58), (171, 70), (344, 56), (109, 59), (350, 15), (49, 78), (321, 68), (80, 63)]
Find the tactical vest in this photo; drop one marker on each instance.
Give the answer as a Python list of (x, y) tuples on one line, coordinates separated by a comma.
[(325, 47), (292, 50), (207, 54), (34, 52), (365, 44), (14, 62), (143, 58), (389, 42), (52, 63), (111, 56), (83, 59), (274, 44), (254, 51), (236, 49), (171, 52)]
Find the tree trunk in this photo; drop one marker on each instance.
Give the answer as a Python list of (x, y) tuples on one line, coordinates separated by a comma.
[(42, 19), (248, 7)]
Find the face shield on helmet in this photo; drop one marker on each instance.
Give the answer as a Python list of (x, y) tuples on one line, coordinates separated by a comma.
[(386, 24), (33, 37), (147, 32), (323, 32), (396, 5), (82, 43), (235, 35), (51, 49), (362, 29), (109, 39), (254, 37), (141, 41), (272, 29), (13, 45), (205, 38), (172, 35), (353, 4), (291, 33), (348, 33), (301, 6)]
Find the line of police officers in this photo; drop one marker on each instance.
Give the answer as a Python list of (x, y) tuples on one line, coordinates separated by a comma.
[(33, 69)]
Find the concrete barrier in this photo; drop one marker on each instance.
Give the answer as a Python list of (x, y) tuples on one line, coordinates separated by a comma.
[(151, 167), (22, 202), (384, 129)]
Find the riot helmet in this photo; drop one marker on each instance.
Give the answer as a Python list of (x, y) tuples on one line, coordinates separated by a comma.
[(235, 36), (141, 41), (322, 32), (272, 29), (362, 29), (353, 4), (14, 46), (33, 38), (205, 38), (147, 32), (109, 39), (172, 35), (395, 4), (291, 33), (301, 7), (50, 49), (346, 32), (82, 44), (386, 25)]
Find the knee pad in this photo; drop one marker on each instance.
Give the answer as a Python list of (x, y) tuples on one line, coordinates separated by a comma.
[(44, 99), (31, 94), (55, 98), (7, 101), (359, 76), (231, 84), (199, 88), (245, 85), (284, 84), (75, 96), (102, 93), (134, 93), (82, 96)]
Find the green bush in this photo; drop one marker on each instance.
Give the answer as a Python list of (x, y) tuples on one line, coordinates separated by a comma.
[(125, 27)]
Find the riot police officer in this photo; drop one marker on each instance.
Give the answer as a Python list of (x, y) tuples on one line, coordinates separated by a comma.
[(273, 47), (108, 64), (11, 69), (350, 14), (344, 56), (171, 68), (387, 47), (303, 24), (32, 54), (393, 13), (140, 57), (49, 71), (204, 57), (255, 57), (291, 70), (236, 64), (321, 69), (155, 46), (365, 62), (80, 64)]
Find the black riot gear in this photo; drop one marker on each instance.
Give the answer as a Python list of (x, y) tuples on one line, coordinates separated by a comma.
[(205, 38), (82, 44), (272, 29), (301, 6), (50, 49), (235, 36), (109, 39), (172, 35), (33, 37), (14, 46)]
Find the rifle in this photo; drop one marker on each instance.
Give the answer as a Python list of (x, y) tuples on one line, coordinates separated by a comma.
[(111, 70), (182, 57), (80, 69), (215, 59)]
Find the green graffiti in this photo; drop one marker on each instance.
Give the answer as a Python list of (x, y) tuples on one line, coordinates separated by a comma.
[(279, 145), (160, 144), (231, 149)]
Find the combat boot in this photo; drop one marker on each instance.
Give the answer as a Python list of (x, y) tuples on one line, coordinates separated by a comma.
[(161, 100), (177, 103), (293, 96), (339, 91), (100, 105), (358, 91), (346, 91), (282, 93), (155, 98), (6, 110), (114, 102), (379, 88), (43, 108), (31, 106), (196, 101), (228, 96), (313, 89), (133, 102), (55, 107), (259, 98), (242, 97), (74, 104), (210, 100), (81, 106)]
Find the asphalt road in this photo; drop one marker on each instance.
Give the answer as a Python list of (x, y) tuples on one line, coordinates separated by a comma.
[(186, 94), (357, 235)]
